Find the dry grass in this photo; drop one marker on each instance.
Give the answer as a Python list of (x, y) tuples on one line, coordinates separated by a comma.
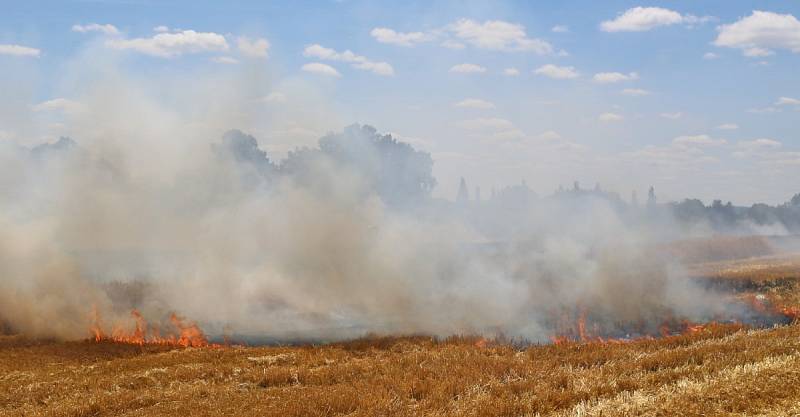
[(722, 370), (758, 269)]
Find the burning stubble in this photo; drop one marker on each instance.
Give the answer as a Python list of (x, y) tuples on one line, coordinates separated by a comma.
[(155, 213)]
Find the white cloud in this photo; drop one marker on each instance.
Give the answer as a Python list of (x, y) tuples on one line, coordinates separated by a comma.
[(95, 27), (549, 135), (58, 104), (19, 50), (757, 52), (710, 55), (224, 60), (556, 72), (474, 103), (758, 145), (560, 29), (640, 19), (635, 92), (759, 33), (254, 48), (728, 126), (672, 116), (356, 61), (492, 123), (451, 44), (787, 101), (168, 45), (274, 97), (610, 117), (513, 72), (764, 110), (467, 69), (386, 35), (507, 135), (697, 140), (320, 68), (614, 77), (161, 28), (498, 35)]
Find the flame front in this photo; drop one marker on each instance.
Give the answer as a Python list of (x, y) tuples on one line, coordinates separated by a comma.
[(184, 333)]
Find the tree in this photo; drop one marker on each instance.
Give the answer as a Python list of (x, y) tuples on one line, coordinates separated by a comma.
[(651, 196), (463, 194), (397, 172), (243, 148)]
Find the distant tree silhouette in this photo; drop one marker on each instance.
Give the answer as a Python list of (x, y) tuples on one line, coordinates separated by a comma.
[(651, 197), (463, 194), (398, 173)]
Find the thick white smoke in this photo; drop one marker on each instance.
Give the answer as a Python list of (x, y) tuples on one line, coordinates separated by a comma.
[(147, 212)]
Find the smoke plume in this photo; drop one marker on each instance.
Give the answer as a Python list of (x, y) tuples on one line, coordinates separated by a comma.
[(154, 206)]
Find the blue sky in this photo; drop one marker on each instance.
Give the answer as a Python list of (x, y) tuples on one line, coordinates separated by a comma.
[(699, 99)]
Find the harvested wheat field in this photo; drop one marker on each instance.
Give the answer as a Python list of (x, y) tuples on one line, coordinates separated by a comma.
[(719, 370), (712, 369)]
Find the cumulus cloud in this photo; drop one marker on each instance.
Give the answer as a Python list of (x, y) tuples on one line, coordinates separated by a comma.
[(728, 126), (787, 101), (760, 143), (58, 104), (467, 69), (635, 92), (672, 116), (640, 19), (614, 77), (451, 44), (492, 123), (560, 29), (474, 103), (498, 35), (764, 110), (386, 35), (698, 140), (274, 97), (356, 61), (511, 72), (556, 72), (320, 68), (107, 29), (760, 33), (610, 117), (19, 50), (167, 45), (224, 60), (549, 135), (160, 28), (710, 55), (254, 48), (756, 147)]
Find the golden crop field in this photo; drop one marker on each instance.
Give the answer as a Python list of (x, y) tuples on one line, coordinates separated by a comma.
[(713, 370), (722, 370)]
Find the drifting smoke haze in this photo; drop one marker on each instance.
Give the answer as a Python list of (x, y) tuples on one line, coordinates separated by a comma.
[(155, 207)]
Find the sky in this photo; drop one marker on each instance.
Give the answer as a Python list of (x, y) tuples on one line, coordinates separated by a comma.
[(698, 99)]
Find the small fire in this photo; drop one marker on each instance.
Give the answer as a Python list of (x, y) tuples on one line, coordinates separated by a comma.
[(577, 325), (184, 333)]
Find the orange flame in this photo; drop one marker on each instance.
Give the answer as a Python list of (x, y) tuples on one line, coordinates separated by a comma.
[(187, 334)]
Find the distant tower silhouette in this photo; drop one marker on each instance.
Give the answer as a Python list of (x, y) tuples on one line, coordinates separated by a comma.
[(463, 193), (597, 188), (494, 193), (576, 186), (634, 199), (651, 196)]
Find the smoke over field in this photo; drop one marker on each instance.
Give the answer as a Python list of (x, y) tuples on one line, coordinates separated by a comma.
[(154, 207)]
